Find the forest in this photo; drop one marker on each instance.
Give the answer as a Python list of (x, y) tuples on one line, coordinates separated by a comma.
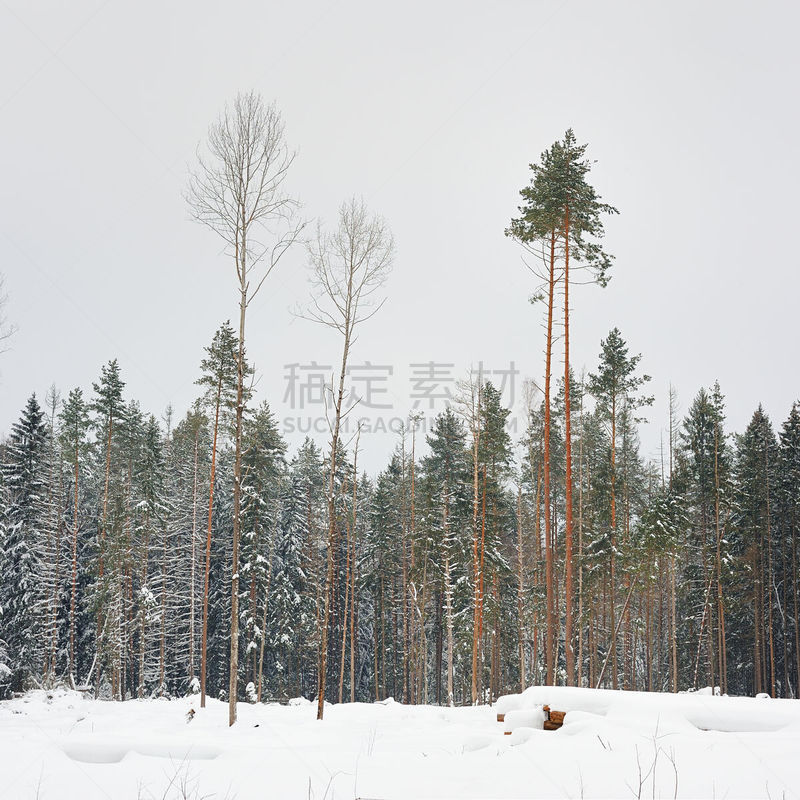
[(147, 556)]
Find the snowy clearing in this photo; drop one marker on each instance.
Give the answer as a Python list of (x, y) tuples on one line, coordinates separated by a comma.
[(612, 745)]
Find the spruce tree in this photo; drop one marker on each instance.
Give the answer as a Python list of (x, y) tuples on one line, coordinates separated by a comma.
[(264, 472), (109, 410), (616, 387), (293, 608), (756, 464), (788, 501), (219, 379), (23, 471), (74, 428), (445, 472), (706, 478)]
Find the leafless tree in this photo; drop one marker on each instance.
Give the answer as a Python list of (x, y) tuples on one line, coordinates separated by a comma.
[(237, 190), (6, 329), (349, 268)]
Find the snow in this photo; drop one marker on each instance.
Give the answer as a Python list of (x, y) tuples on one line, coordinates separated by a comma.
[(700, 709), (613, 745)]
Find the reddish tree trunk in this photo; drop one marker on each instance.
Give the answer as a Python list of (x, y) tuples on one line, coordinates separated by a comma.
[(550, 604), (568, 565)]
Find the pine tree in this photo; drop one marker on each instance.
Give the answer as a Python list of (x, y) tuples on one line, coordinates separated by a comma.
[(537, 230), (561, 222)]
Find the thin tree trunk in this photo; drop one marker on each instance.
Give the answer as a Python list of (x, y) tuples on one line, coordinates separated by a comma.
[(538, 557), (480, 594), (323, 665), (520, 596), (795, 591), (580, 545), (101, 620), (353, 623), (204, 641), (405, 595), (353, 645), (162, 650), (254, 611), (192, 588), (700, 634), (448, 593), (757, 679), (769, 576), (375, 633), (237, 485), (721, 645), (264, 626), (673, 625), (54, 554), (73, 605), (344, 618), (549, 590), (616, 631), (613, 535), (475, 563), (568, 565), (416, 638), (144, 610)]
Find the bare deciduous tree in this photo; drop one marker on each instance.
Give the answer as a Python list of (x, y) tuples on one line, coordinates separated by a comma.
[(349, 268), (6, 329), (237, 190)]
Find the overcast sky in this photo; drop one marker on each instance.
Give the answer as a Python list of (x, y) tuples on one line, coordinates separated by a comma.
[(432, 111)]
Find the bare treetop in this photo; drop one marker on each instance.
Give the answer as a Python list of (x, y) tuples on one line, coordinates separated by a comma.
[(238, 185), (6, 330), (349, 267)]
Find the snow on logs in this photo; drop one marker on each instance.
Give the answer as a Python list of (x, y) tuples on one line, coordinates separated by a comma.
[(536, 708), (534, 717), (514, 712)]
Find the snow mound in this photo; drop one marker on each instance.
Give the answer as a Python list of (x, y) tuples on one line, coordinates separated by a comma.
[(703, 710), (525, 718), (91, 751)]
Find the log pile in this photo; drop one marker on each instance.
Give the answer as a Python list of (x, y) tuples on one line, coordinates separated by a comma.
[(553, 719)]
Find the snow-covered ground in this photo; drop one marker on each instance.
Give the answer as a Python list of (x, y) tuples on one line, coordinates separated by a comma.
[(60, 746)]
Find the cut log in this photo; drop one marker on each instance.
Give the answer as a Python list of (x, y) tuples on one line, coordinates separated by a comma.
[(501, 717), (553, 719)]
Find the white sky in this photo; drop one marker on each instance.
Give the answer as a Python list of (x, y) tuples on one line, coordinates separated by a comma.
[(431, 111)]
